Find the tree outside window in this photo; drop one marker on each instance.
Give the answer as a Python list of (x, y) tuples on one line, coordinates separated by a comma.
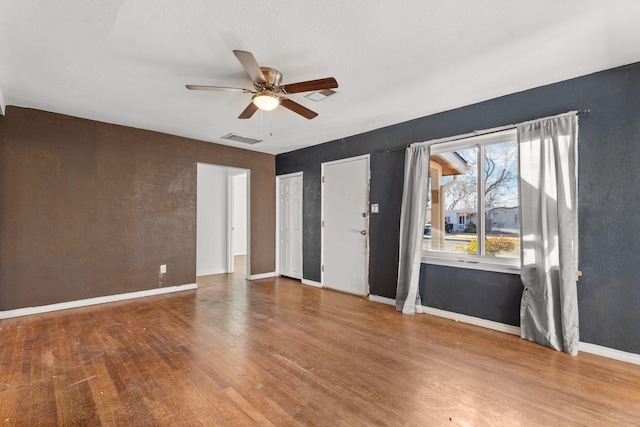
[(473, 204)]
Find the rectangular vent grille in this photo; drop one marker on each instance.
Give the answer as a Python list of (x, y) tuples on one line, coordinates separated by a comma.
[(239, 138), (320, 95)]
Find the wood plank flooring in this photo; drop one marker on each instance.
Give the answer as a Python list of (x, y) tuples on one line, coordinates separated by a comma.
[(275, 352)]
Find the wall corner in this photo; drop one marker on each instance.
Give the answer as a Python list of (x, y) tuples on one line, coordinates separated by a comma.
[(2, 103)]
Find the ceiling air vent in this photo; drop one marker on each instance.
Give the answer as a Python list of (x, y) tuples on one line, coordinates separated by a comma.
[(239, 138), (321, 95)]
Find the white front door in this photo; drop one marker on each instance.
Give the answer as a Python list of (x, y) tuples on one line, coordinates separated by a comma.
[(345, 225), (290, 226)]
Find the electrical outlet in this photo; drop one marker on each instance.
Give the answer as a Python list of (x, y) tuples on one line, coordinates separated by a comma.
[(163, 268)]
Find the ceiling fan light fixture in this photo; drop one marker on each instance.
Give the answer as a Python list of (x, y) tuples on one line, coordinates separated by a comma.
[(265, 101)]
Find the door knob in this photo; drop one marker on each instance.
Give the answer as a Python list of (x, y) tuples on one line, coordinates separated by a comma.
[(363, 232)]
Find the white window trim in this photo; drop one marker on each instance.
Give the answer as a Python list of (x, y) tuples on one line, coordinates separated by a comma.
[(485, 263), (468, 261)]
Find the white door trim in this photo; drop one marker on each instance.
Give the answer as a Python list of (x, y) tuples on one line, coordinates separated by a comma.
[(278, 178), (248, 269), (366, 157), (345, 160), (230, 224)]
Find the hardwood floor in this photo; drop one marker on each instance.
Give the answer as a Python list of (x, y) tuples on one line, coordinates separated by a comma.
[(240, 264), (275, 352)]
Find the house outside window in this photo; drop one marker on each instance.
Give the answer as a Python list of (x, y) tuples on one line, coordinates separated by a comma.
[(475, 182)]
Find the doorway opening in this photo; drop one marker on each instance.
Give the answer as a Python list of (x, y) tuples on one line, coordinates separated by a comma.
[(222, 220), (238, 219)]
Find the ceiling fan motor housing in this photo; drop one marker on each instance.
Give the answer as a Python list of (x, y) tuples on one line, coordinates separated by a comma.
[(273, 79)]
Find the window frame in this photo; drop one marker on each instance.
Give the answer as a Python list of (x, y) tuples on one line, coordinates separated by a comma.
[(476, 261)]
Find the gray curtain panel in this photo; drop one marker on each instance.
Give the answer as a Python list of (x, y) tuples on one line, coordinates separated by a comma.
[(412, 218), (548, 156)]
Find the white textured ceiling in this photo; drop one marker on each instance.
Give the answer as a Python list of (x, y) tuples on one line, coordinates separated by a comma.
[(127, 61)]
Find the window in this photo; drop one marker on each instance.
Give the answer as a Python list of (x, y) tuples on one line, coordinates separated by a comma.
[(473, 203)]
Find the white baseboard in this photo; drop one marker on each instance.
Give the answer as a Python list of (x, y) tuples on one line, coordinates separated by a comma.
[(93, 301), (311, 283), (383, 300), (261, 276), (515, 330), (610, 353), (210, 272), (599, 350), (489, 324)]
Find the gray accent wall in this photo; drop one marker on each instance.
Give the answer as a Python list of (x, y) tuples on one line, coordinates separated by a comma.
[(609, 183)]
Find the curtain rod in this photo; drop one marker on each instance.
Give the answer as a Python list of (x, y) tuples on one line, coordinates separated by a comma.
[(486, 131)]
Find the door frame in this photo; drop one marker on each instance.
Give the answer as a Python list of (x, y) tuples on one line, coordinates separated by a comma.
[(366, 157), (278, 178), (227, 260)]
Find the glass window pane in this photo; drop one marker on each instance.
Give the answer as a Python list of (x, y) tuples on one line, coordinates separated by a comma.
[(502, 222), (450, 225)]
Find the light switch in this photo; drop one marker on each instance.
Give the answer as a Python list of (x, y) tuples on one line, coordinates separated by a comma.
[(375, 208)]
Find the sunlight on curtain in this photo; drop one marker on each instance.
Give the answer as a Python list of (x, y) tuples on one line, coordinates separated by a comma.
[(549, 227), (414, 208)]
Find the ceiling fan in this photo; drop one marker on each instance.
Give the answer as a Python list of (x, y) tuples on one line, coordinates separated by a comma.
[(269, 92)]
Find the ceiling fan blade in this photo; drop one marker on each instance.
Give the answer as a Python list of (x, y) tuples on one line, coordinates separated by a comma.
[(328, 83), (218, 88), (297, 108), (250, 65), (249, 111)]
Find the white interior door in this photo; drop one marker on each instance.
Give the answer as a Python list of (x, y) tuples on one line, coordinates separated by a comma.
[(290, 226), (345, 225)]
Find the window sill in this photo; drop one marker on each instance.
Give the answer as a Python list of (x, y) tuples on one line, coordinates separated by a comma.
[(483, 265)]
